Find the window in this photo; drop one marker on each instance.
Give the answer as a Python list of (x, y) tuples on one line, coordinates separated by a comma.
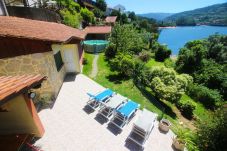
[(58, 60)]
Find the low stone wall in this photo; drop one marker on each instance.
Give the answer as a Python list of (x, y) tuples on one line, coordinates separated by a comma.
[(39, 63)]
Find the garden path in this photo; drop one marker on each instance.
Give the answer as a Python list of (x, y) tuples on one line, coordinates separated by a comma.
[(94, 66)]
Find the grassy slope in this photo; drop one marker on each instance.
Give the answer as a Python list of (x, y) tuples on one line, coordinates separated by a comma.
[(88, 67), (125, 87)]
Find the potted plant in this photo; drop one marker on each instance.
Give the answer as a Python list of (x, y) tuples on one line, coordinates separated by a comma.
[(183, 137), (164, 124)]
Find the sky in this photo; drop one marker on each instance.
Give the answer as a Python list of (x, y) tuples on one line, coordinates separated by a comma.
[(164, 6)]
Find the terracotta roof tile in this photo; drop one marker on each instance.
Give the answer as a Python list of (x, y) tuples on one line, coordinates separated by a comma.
[(14, 85), (111, 19), (98, 29), (39, 30)]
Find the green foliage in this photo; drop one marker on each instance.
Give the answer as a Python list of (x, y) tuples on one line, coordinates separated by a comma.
[(98, 13), (116, 13), (169, 63), (110, 51), (205, 61), (211, 15), (71, 19), (212, 133), (191, 55), (185, 21), (162, 53), (184, 135), (124, 18), (186, 107), (87, 15), (126, 39), (70, 5), (132, 16), (101, 4), (124, 64), (208, 97), (144, 56), (166, 83)]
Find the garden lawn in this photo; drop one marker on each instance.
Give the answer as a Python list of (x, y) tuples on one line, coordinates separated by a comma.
[(152, 62), (145, 97), (87, 68), (125, 87)]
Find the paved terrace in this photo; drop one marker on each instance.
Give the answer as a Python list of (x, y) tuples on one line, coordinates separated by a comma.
[(70, 127)]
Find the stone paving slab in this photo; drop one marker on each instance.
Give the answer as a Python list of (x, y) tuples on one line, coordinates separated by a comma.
[(70, 127)]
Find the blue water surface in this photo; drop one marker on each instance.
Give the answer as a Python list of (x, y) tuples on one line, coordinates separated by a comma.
[(176, 38)]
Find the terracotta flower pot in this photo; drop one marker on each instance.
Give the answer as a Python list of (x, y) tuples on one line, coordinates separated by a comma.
[(164, 125), (178, 145)]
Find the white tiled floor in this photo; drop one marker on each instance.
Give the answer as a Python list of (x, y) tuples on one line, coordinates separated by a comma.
[(68, 127)]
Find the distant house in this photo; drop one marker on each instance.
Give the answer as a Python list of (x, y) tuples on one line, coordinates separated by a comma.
[(18, 115), (120, 8), (97, 32), (111, 20), (108, 11), (37, 47)]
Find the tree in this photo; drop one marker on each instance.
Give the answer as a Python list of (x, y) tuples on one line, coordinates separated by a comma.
[(185, 21), (124, 19), (71, 19), (126, 40), (166, 83), (101, 4), (190, 57), (162, 53), (212, 132), (98, 13), (87, 15), (132, 16)]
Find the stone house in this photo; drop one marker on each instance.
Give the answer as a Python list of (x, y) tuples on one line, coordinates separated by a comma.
[(38, 47)]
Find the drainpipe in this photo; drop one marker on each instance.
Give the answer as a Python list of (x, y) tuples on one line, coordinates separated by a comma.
[(2, 2)]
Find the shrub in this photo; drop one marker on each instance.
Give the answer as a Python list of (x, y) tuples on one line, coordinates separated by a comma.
[(212, 132), (169, 63), (87, 15), (71, 19), (85, 61), (162, 53), (144, 56), (209, 98), (110, 51), (186, 107), (124, 64)]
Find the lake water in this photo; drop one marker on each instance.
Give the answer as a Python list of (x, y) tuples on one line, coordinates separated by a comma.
[(176, 38)]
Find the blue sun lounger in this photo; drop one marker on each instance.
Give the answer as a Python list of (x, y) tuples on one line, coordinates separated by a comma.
[(102, 97), (124, 114)]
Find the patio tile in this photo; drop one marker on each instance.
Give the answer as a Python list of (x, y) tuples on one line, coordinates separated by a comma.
[(69, 128)]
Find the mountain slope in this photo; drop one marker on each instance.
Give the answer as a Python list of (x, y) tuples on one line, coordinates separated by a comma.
[(211, 15), (157, 16)]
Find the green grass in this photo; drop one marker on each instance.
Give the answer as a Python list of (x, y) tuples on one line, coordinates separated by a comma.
[(126, 87), (88, 67), (145, 97), (200, 111), (152, 62)]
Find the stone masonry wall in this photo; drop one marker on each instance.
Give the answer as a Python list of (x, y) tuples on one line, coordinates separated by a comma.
[(39, 63)]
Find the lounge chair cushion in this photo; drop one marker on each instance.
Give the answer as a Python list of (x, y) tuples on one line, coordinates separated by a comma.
[(128, 108), (101, 96), (146, 120), (115, 101)]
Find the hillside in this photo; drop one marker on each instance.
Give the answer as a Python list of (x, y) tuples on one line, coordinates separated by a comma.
[(211, 15), (157, 16)]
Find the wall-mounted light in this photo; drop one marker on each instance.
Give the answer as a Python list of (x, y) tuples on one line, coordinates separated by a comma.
[(31, 95)]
